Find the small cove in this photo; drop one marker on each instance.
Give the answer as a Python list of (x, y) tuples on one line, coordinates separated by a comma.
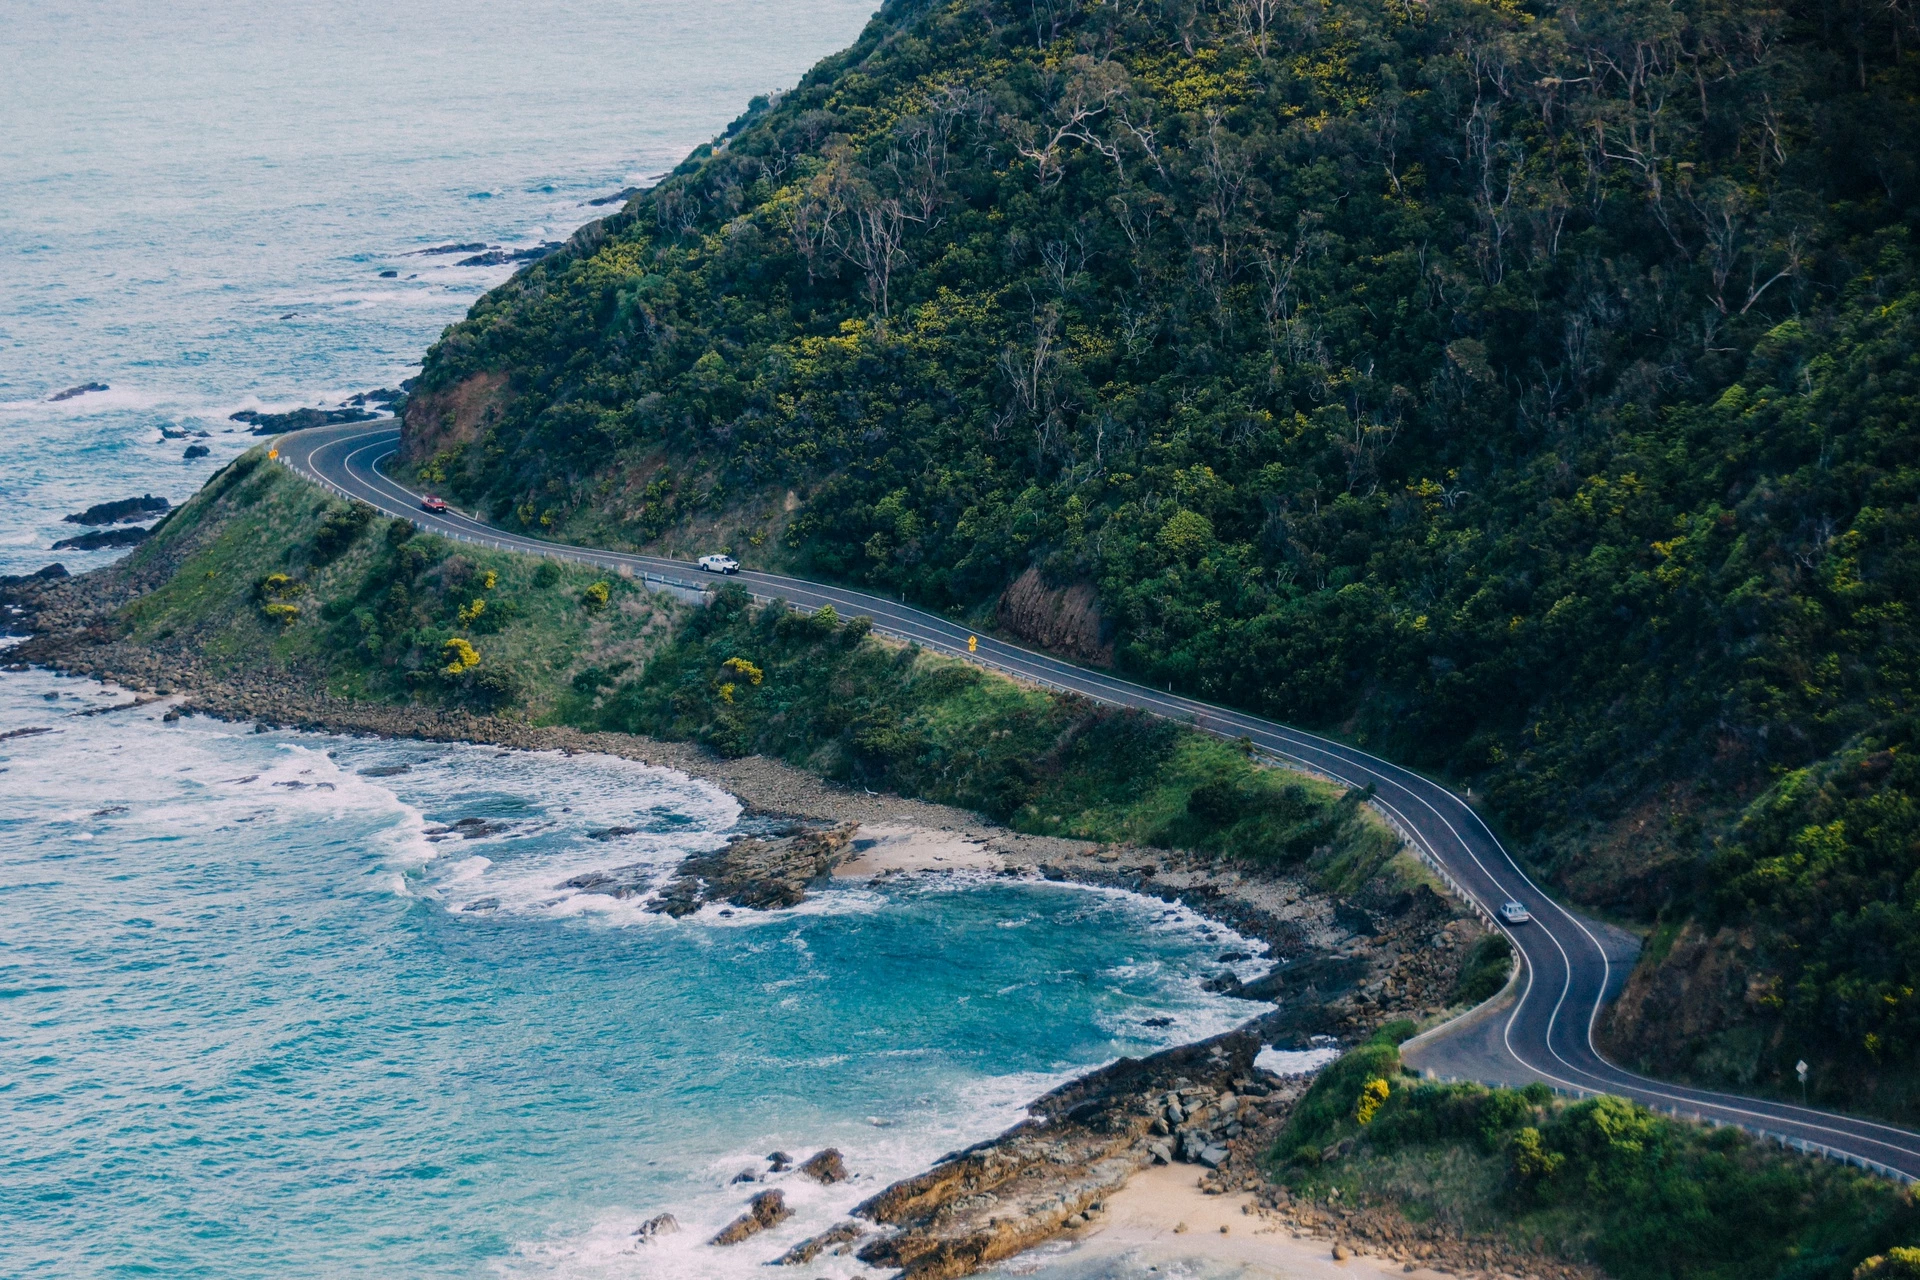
[(252, 1028)]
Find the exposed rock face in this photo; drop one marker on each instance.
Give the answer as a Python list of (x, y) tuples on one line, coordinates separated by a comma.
[(1066, 620), (751, 872), (124, 511), (451, 416), (768, 1209), (1674, 1012), (1086, 1139)]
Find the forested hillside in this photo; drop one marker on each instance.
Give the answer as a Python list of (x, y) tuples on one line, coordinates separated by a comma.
[(1529, 392)]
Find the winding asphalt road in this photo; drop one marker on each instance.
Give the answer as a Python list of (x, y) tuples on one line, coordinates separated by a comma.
[(1569, 973)]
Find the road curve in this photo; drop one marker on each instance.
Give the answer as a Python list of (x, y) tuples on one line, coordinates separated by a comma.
[(1547, 1035)]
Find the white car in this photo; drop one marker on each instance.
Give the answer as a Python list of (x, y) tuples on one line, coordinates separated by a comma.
[(719, 564), (1514, 913)]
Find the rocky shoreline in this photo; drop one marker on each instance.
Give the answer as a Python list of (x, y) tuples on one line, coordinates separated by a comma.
[(1343, 966)]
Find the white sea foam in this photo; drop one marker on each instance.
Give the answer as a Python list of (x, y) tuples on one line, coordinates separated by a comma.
[(1296, 1062)]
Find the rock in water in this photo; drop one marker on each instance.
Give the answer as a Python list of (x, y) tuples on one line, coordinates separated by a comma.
[(749, 872), (826, 1168), (618, 197), (268, 424), (196, 451), (664, 1224), (124, 511), (780, 1161), (129, 536), (80, 390), (768, 1209), (500, 257)]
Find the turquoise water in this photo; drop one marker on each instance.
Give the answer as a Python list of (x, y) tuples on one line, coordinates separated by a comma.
[(248, 1026), (197, 201)]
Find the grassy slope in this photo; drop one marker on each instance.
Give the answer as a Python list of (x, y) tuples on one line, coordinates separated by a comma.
[(256, 519)]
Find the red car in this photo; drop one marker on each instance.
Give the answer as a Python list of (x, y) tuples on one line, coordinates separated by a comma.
[(431, 503)]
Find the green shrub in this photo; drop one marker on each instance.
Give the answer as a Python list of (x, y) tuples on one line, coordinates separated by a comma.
[(1897, 1263), (339, 527), (834, 699), (1488, 965)]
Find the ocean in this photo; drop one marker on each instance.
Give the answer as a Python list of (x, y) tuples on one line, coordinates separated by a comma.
[(198, 202), (260, 1013)]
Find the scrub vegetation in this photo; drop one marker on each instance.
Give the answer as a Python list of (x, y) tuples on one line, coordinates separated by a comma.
[(818, 691), (265, 576), (1600, 1180)]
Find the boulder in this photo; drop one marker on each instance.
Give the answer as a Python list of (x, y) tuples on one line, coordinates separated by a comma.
[(768, 1209), (827, 1167), (196, 451), (664, 1224)]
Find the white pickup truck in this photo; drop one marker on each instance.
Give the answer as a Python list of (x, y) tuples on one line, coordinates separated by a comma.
[(719, 564)]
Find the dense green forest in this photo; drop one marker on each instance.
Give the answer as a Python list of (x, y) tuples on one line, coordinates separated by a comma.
[(1527, 391)]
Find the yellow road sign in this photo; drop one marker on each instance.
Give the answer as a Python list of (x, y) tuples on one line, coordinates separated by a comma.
[(973, 644), (272, 454)]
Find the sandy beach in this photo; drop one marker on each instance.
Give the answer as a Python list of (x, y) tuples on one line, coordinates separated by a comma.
[(1162, 1224)]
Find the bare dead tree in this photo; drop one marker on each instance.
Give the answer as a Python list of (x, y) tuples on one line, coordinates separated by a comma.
[(1086, 92), (877, 247)]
